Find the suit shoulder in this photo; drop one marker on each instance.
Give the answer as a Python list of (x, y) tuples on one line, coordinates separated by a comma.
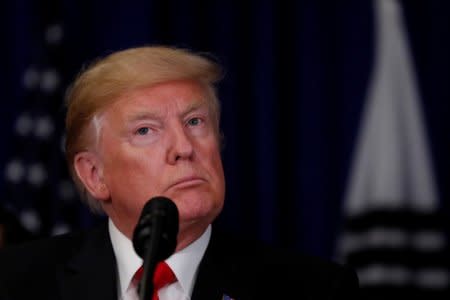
[(42, 245), (56, 265), (282, 267), (44, 254)]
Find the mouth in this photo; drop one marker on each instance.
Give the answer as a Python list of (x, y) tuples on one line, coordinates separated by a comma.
[(187, 182)]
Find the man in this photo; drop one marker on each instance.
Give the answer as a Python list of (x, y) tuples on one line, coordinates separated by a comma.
[(141, 123)]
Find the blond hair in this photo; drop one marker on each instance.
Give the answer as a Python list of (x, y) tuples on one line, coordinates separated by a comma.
[(102, 82)]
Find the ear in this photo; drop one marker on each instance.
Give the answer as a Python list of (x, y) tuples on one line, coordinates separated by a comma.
[(89, 169)]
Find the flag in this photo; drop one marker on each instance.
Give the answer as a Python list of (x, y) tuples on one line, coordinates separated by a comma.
[(37, 186), (393, 234)]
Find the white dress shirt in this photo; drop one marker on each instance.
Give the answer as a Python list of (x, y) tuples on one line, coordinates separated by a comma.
[(183, 263)]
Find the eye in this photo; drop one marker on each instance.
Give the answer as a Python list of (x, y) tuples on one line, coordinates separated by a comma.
[(194, 121), (142, 131)]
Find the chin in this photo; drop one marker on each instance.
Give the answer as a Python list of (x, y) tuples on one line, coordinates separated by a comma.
[(202, 214)]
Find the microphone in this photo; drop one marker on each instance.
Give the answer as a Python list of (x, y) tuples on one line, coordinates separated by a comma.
[(155, 238)]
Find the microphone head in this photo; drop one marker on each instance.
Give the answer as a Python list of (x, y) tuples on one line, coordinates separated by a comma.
[(159, 217)]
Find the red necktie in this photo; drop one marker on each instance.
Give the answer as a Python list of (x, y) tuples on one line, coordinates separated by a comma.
[(163, 276)]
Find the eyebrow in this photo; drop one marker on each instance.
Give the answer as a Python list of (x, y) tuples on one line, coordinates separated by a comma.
[(156, 116), (143, 116), (195, 106)]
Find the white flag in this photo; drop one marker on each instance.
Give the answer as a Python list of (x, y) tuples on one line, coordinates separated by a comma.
[(391, 191)]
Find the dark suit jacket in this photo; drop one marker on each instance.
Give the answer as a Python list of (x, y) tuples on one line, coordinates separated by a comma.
[(82, 266)]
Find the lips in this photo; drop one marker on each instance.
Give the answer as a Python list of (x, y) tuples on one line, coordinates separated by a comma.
[(188, 181)]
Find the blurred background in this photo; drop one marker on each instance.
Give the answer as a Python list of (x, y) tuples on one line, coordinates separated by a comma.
[(335, 116)]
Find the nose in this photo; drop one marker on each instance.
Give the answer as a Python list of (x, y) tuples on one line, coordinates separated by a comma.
[(180, 145)]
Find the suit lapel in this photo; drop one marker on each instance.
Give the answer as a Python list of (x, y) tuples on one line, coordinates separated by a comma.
[(208, 282), (216, 273), (91, 274)]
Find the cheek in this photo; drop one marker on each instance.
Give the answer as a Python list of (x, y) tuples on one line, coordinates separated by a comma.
[(215, 160), (134, 174)]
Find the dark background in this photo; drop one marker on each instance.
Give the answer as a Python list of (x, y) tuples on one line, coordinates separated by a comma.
[(296, 80)]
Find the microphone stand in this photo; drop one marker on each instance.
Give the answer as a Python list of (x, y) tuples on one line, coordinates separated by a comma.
[(150, 261), (154, 239)]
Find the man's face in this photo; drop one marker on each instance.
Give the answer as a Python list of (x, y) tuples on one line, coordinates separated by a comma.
[(161, 141)]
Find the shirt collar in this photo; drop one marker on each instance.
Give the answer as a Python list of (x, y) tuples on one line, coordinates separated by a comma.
[(183, 263), (127, 259)]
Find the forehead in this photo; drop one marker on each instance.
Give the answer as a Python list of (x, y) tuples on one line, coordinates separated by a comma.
[(162, 98)]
